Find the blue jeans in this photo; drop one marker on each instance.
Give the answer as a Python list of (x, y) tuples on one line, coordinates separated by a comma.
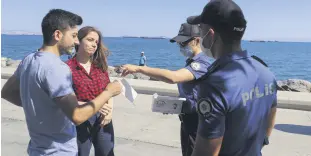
[(102, 138)]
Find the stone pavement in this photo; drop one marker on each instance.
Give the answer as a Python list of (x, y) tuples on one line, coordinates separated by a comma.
[(139, 132)]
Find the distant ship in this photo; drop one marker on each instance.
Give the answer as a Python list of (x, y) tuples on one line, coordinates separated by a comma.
[(256, 41), (130, 37), (160, 37), (19, 32), (261, 41), (145, 37)]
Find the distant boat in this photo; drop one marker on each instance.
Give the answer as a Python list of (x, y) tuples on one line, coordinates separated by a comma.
[(130, 37), (160, 37), (17, 32), (256, 41), (261, 41), (144, 37)]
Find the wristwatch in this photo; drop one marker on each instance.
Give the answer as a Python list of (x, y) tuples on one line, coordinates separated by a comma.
[(266, 141)]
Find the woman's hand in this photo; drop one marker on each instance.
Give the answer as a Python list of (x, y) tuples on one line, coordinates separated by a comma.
[(106, 112), (106, 120)]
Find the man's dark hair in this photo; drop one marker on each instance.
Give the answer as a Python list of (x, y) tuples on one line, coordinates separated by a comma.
[(58, 19)]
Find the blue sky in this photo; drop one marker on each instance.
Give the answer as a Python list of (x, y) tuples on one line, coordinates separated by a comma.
[(285, 20)]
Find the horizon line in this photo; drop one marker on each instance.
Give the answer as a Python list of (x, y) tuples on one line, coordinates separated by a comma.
[(161, 37)]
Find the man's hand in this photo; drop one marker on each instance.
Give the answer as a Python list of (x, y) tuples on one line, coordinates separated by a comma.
[(114, 88), (129, 69)]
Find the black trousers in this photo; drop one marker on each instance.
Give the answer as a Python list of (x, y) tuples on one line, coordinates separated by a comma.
[(188, 132)]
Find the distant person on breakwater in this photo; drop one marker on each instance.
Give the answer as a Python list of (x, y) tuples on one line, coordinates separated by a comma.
[(237, 98), (42, 85), (90, 77), (197, 63), (143, 59)]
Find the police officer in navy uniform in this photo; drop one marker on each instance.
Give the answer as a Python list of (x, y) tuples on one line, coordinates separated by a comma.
[(237, 98), (189, 41)]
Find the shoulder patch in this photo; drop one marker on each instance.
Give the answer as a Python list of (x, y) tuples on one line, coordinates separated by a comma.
[(195, 66), (204, 107)]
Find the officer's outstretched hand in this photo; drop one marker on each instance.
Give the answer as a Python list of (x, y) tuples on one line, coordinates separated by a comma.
[(129, 69)]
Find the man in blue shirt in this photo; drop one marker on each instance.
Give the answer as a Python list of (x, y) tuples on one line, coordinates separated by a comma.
[(143, 59), (237, 97), (42, 85)]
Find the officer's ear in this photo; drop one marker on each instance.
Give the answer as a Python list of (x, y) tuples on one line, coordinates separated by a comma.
[(197, 41), (211, 34)]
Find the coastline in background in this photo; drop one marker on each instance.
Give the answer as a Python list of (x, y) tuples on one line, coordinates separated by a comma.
[(293, 85), (288, 60)]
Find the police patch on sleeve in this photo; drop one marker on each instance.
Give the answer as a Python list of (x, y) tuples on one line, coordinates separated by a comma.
[(204, 107), (195, 66)]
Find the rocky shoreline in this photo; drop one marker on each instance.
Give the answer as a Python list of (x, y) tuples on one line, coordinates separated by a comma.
[(294, 85), (9, 63)]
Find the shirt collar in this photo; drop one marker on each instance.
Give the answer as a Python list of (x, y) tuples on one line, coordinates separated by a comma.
[(231, 56), (196, 57), (234, 56), (237, 55), (79, 66)]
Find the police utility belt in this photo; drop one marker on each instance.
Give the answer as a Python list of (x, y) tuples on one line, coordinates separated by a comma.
[(187, 113)]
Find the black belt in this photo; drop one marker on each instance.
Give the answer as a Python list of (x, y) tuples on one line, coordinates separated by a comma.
[(186, 114)]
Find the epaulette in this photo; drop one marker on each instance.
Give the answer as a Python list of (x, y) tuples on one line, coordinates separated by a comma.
[(259, 60), (210, 70)]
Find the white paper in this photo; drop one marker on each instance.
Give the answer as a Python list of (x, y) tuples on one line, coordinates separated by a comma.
[(128, 91), (166, 104)]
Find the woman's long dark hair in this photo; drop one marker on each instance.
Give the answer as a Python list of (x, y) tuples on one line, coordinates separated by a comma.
[(99, 58)]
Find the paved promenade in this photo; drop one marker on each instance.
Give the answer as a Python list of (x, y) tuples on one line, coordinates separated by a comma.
[(139, 132)]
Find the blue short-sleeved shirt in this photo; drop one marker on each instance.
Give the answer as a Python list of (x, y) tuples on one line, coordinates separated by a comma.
[(198, 67), (43, 76), (142, 60), (234, 101)]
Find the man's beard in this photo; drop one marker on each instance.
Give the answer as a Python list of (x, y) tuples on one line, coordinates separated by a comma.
[(69, 50)]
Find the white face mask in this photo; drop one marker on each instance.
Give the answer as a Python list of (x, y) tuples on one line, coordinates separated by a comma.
[(206, 51), (186, 51)]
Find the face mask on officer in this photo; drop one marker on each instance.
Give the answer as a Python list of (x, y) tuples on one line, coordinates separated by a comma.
[(207, 42), (186, 51), (187, 48)]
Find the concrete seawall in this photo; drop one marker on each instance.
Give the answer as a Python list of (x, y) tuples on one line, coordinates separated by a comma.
[(287, 100)]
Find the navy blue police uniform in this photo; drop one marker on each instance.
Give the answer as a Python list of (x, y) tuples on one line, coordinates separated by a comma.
[(235, 98), (198, 66)]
